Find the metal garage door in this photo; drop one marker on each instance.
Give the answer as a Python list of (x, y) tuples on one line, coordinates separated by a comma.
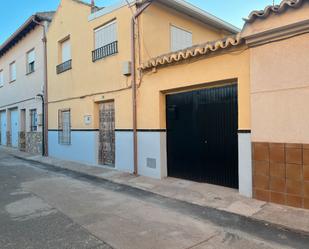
[(202, 139), (14, 128), (3, 127)]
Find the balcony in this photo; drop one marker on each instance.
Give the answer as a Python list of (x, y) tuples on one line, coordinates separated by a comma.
[(105, 51), (65, 66)]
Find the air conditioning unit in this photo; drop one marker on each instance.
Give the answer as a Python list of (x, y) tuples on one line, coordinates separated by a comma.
[(126, 68)]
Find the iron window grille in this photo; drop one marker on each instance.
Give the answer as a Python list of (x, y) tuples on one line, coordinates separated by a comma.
[(105, 51), (65, 66), (33, 120), (64, 127)]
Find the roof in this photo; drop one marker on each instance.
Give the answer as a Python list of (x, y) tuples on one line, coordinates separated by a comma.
[(195, 51), (276, 9), (179, 5), (23, 30)]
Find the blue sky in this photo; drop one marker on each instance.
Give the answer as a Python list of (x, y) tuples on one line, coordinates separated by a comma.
[(15, 12)]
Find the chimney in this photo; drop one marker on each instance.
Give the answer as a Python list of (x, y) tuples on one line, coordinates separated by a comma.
[(93, 7)]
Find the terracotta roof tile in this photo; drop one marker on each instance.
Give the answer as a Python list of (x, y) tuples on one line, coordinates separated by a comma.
[(277, 9), (194, 51)]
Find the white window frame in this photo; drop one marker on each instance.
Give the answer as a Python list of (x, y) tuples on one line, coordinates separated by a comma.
[(13, 73), (66, 55), (112, 39), (1, 78), (30, 67), (175, 43)]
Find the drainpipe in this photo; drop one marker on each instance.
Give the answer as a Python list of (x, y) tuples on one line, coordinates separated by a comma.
[(45, 95), (133, 73)]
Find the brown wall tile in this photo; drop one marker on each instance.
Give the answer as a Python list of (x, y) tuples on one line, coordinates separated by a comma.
[(277, 184), (306, 156), (294, 155), (261, 167), (306, 189), (278, 198), (263, 195), (261, 182), (306, 203), (306, 146), (294, 172), (261, 152), (306, 172), (277, 170), (294, 201), (276, 153), (294, 187)]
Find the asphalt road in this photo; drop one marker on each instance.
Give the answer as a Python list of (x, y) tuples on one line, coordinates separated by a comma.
[(45, 209)]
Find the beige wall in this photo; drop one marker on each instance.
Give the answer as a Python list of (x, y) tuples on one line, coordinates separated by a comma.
[(211, 70), (88, 83), (280, 91)]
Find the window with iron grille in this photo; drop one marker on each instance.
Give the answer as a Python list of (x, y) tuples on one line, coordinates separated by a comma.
[(66, 58), (30, 61), (64, 127), (33, 120), (105, 41)]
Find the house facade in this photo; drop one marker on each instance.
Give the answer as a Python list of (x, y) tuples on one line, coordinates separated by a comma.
[(21, 80), (90, 102)]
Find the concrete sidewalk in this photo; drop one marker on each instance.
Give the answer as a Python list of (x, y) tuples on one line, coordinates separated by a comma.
[(201, 194)]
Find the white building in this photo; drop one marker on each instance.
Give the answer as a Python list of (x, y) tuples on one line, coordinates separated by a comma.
[(22, 78)]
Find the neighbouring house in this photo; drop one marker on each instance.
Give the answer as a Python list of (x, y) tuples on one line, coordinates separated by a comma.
[(22, 69), (89, 80), (279, 78)]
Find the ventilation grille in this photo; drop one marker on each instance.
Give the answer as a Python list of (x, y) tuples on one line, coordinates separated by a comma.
[(151, 163)]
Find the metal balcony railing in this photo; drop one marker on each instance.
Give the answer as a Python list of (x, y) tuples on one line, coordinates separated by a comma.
[(65, 66), (105, 51)]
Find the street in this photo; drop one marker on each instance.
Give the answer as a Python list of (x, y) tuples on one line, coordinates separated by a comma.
[(44, 209)]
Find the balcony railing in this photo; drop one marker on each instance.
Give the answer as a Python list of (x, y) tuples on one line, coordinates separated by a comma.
[(65, 66), (105, 51)]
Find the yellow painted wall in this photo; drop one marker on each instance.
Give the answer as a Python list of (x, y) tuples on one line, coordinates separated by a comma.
[(88, 83), (86, 77), (155, 30), (209, 71)]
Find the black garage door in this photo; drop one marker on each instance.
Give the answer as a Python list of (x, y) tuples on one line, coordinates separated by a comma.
[(202, 142)]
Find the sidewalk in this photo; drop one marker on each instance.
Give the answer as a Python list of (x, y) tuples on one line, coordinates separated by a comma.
[(202, 194)]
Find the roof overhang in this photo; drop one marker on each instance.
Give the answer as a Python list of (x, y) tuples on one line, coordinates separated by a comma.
[(199, 14), (178, 5), (23, 30)]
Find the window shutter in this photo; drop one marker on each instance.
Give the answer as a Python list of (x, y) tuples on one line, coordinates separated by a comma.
[(31, 56), (180, 39), (105, 35), (66, 50)]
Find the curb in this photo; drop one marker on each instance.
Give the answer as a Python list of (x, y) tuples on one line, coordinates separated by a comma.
[(266, 230)]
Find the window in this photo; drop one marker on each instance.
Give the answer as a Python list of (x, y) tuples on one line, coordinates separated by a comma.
[(12, 71), (105, 41), (30, 61), (33, 120), (180, 39), (66, 59), (64, 125), (65, 51), (1, 78), (105, 35)]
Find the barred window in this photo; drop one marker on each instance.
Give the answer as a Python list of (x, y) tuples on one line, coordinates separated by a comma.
[(64, 125), (33, 120)]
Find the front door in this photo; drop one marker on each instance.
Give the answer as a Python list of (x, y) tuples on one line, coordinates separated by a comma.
[(202, 136), (14, 128), (107, 134), (3, 128)]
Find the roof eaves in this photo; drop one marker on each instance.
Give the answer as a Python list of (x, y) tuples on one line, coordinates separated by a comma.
[(277, 9), (195, 51)]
